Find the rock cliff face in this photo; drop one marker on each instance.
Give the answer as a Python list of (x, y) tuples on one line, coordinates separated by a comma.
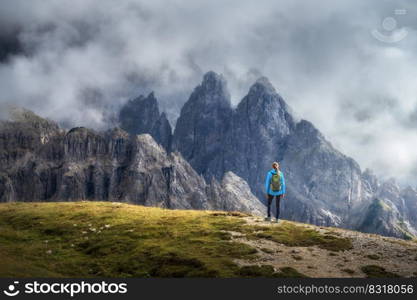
[(327, 183), (323, 184), (257, 137), (141, 115), (41, 162), (324, 187), (199, 132), (392, 211)]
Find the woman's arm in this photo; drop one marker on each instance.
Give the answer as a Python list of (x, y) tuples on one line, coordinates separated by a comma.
[(283, 183), (267, 182)]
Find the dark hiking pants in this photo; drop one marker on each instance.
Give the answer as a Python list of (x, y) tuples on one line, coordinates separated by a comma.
[(278, 200)]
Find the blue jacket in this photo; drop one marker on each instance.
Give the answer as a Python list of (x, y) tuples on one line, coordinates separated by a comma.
[(268, 183)]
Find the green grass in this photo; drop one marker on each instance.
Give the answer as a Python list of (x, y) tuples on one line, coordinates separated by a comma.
[(266, 250), (97, 239), (373, 271), (103, 239), (289, 234), (288, 272)]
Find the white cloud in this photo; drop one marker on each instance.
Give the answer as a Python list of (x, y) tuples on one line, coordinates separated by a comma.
[(84, 58)]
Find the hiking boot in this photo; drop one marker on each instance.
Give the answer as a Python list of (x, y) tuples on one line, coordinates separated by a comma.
[(268, 219)]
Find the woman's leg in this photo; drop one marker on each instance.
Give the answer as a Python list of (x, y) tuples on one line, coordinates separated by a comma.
[(270, 197), (278, 202)]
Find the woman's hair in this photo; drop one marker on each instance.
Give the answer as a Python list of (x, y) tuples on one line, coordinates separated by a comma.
[(275, 165)]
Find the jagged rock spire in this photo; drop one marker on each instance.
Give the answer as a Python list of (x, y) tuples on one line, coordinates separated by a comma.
[(262, 84), (204, 118), (141, 115)]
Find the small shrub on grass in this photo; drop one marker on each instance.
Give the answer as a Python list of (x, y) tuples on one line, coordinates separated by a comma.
[(176, 265), (332, 233), (373, 271), (229, 213), (296, 235), (256, 271), (348, 271), (266, 250), (57, 231)]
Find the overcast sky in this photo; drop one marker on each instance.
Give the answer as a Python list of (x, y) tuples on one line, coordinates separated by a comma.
[(75, 61)]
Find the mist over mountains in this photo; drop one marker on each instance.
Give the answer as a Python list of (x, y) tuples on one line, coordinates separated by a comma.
[(80, 62), (216, 158)]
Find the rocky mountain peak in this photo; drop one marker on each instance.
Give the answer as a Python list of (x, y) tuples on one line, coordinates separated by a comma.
[(390, 187), (24, 116), (309, 131), (410, 191), (410, 198), (205, 117), (141, 115), (370, 181), (147, 142), (151, 98), (213, 81), (262, 85), (82, 131), (212, 91), (138, 115), (117, 132), (265, 104)]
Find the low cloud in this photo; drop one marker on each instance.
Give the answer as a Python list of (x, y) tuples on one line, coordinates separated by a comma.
[(78, 61)]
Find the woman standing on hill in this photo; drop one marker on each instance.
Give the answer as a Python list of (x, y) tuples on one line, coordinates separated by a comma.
[(275, 187)]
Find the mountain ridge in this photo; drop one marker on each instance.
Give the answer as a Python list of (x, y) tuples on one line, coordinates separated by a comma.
[(46, 163), (325, 187)]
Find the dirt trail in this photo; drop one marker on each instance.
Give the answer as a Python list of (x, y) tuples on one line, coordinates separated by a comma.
[(395, 255)]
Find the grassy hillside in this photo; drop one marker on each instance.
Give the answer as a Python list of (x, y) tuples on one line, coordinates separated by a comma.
[(102, 239)]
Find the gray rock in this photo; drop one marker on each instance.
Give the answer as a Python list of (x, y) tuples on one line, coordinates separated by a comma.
[(141, 115), (233, 193), (410, 200), (324, 186), (257, 137), (82, 164), (199, 132)]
